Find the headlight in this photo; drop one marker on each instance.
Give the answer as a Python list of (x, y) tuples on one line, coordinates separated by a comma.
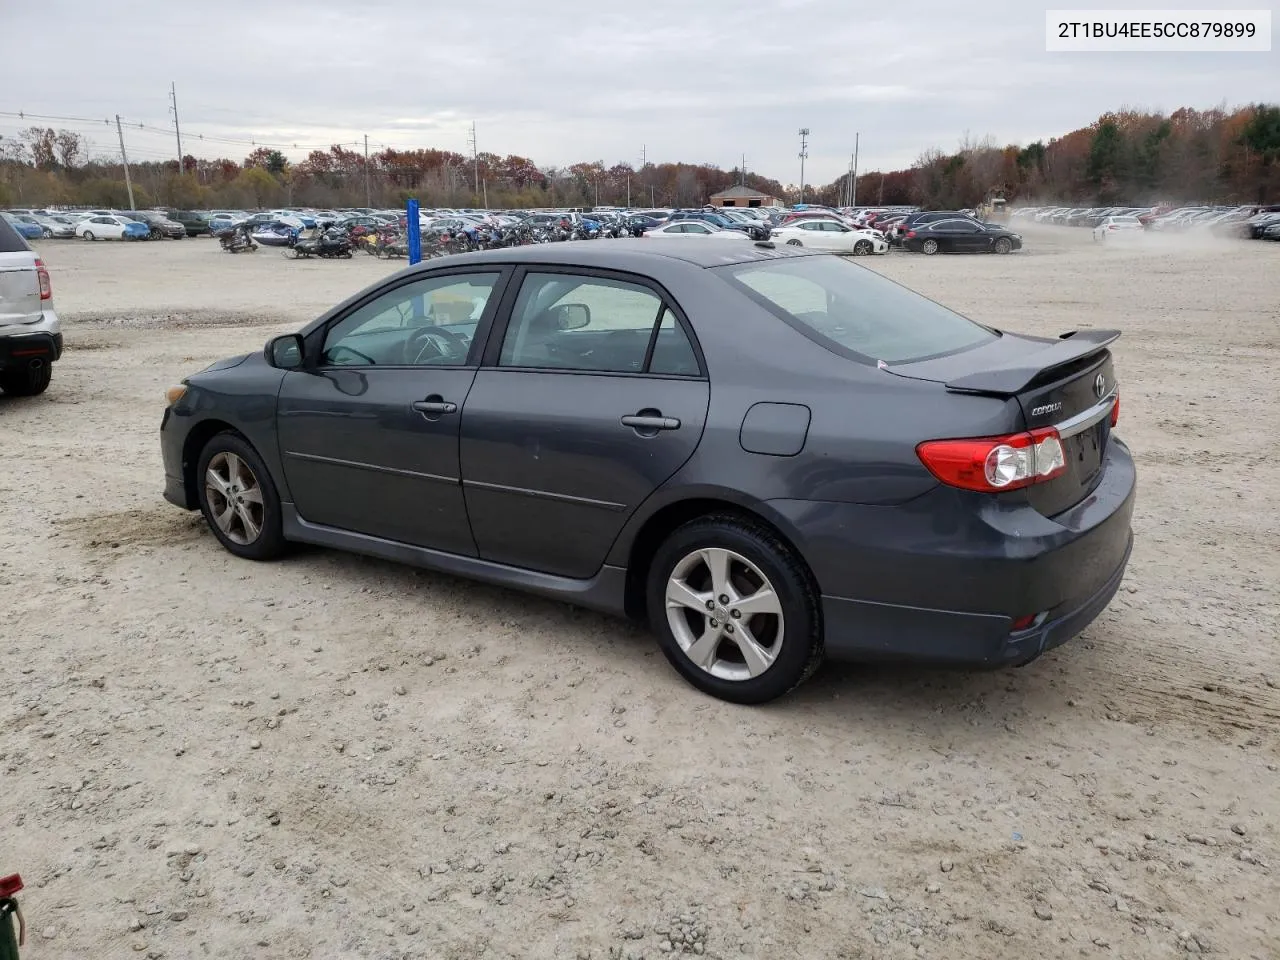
[(175, 393)]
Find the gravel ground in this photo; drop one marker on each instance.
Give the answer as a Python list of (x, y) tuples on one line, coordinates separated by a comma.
[(332, 756)]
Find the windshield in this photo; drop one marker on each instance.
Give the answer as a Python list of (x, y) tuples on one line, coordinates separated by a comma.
[(853, 311)]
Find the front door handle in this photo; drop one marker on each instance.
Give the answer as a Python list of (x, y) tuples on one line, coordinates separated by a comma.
[(655, 422), (434, 405)]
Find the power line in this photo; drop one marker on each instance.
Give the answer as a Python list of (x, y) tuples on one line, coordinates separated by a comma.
[(150, 128)]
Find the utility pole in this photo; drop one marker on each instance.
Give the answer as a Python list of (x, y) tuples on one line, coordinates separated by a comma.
[(744, 170), (853, 183), (644, 176), (173, 95), (804, 153), (368, 193), (125, 157), (475, 158), (628, 191)]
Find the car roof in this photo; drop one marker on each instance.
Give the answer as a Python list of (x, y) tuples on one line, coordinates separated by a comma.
[(633, 255)]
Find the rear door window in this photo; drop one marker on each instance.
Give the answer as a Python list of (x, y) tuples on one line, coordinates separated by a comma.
[(596, 324), (11, 241)]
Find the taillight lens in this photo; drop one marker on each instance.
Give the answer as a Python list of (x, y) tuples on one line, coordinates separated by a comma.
[(46, 288), (1115, 409), (996, 464), (911, 234)]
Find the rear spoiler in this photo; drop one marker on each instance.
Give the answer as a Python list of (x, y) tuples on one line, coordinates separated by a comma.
[(1067, 349)]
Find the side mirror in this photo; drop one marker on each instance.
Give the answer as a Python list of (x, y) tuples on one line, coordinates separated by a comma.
[(285, 352), (572, 316)]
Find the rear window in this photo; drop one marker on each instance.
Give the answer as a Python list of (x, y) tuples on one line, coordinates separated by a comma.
[(11, 241), (853, 311)]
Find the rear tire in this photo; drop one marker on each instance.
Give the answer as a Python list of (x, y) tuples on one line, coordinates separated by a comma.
[(929, 247), (746, 657), (240, 503), (88, 235), (26, 382)]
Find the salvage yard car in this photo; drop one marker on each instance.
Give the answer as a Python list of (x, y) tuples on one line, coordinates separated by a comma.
[(30, 333), (960, 235), (114, 226), (771, 454), (830, 235)]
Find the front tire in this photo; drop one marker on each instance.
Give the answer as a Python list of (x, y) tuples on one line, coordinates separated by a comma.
[(929, 247), (735, 610), (794, 243), (862, 248), (27, 381), (238, 498), (1004, 245)]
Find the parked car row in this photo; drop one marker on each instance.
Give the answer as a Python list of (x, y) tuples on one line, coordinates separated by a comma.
[(1249, 221), (95, 224)]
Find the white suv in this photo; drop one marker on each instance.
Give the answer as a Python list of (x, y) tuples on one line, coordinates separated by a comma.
[(30, 334)]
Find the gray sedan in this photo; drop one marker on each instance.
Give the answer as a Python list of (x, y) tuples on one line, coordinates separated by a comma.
[(769, 454)]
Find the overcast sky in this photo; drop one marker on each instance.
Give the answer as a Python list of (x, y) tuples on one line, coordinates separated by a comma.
[(567, 80)]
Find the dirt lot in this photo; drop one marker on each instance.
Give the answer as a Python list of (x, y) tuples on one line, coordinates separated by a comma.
[(335, 757)]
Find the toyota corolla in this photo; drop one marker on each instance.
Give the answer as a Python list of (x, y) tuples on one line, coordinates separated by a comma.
[(770, 454)]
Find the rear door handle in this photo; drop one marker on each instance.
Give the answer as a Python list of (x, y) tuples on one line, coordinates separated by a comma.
[(639, 422), (434, 405)]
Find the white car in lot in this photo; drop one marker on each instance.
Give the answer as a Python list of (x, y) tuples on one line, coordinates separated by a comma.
[(112, 227), (1113, 226), (695, 228), (831, 235)]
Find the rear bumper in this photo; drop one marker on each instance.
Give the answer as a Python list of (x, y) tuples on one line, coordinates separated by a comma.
[(951, 636), (943, 577), (38, 341)]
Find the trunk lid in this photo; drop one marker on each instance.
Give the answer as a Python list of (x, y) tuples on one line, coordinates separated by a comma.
[(1068, 383), (19, 289)]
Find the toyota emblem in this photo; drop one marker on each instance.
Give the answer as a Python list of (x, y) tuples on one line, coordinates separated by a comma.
[(1100, 386)]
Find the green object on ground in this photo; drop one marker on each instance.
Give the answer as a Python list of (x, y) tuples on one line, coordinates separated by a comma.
[(8, 936)]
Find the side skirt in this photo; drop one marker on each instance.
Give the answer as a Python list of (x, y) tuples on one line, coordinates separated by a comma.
[(605, 592)]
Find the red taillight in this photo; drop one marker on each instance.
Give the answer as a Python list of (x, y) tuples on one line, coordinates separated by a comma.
[(46, 288), (911, 234), (1021, 623), (1115, 409), (995, 464)]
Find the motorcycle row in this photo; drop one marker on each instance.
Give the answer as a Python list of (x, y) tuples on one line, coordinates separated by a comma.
[(339, 241)]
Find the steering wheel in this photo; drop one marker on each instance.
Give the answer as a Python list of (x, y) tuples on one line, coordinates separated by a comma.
[(364, 357), (427, 343)]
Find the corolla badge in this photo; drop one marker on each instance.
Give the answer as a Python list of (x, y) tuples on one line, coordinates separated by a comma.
[(1046, 408)]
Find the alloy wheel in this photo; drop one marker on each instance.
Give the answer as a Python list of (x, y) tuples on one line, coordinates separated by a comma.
[(724, 614), (235, 498)]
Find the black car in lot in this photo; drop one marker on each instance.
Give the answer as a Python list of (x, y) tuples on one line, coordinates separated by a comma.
[(770, 454), (960, 235), (160, 224)]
